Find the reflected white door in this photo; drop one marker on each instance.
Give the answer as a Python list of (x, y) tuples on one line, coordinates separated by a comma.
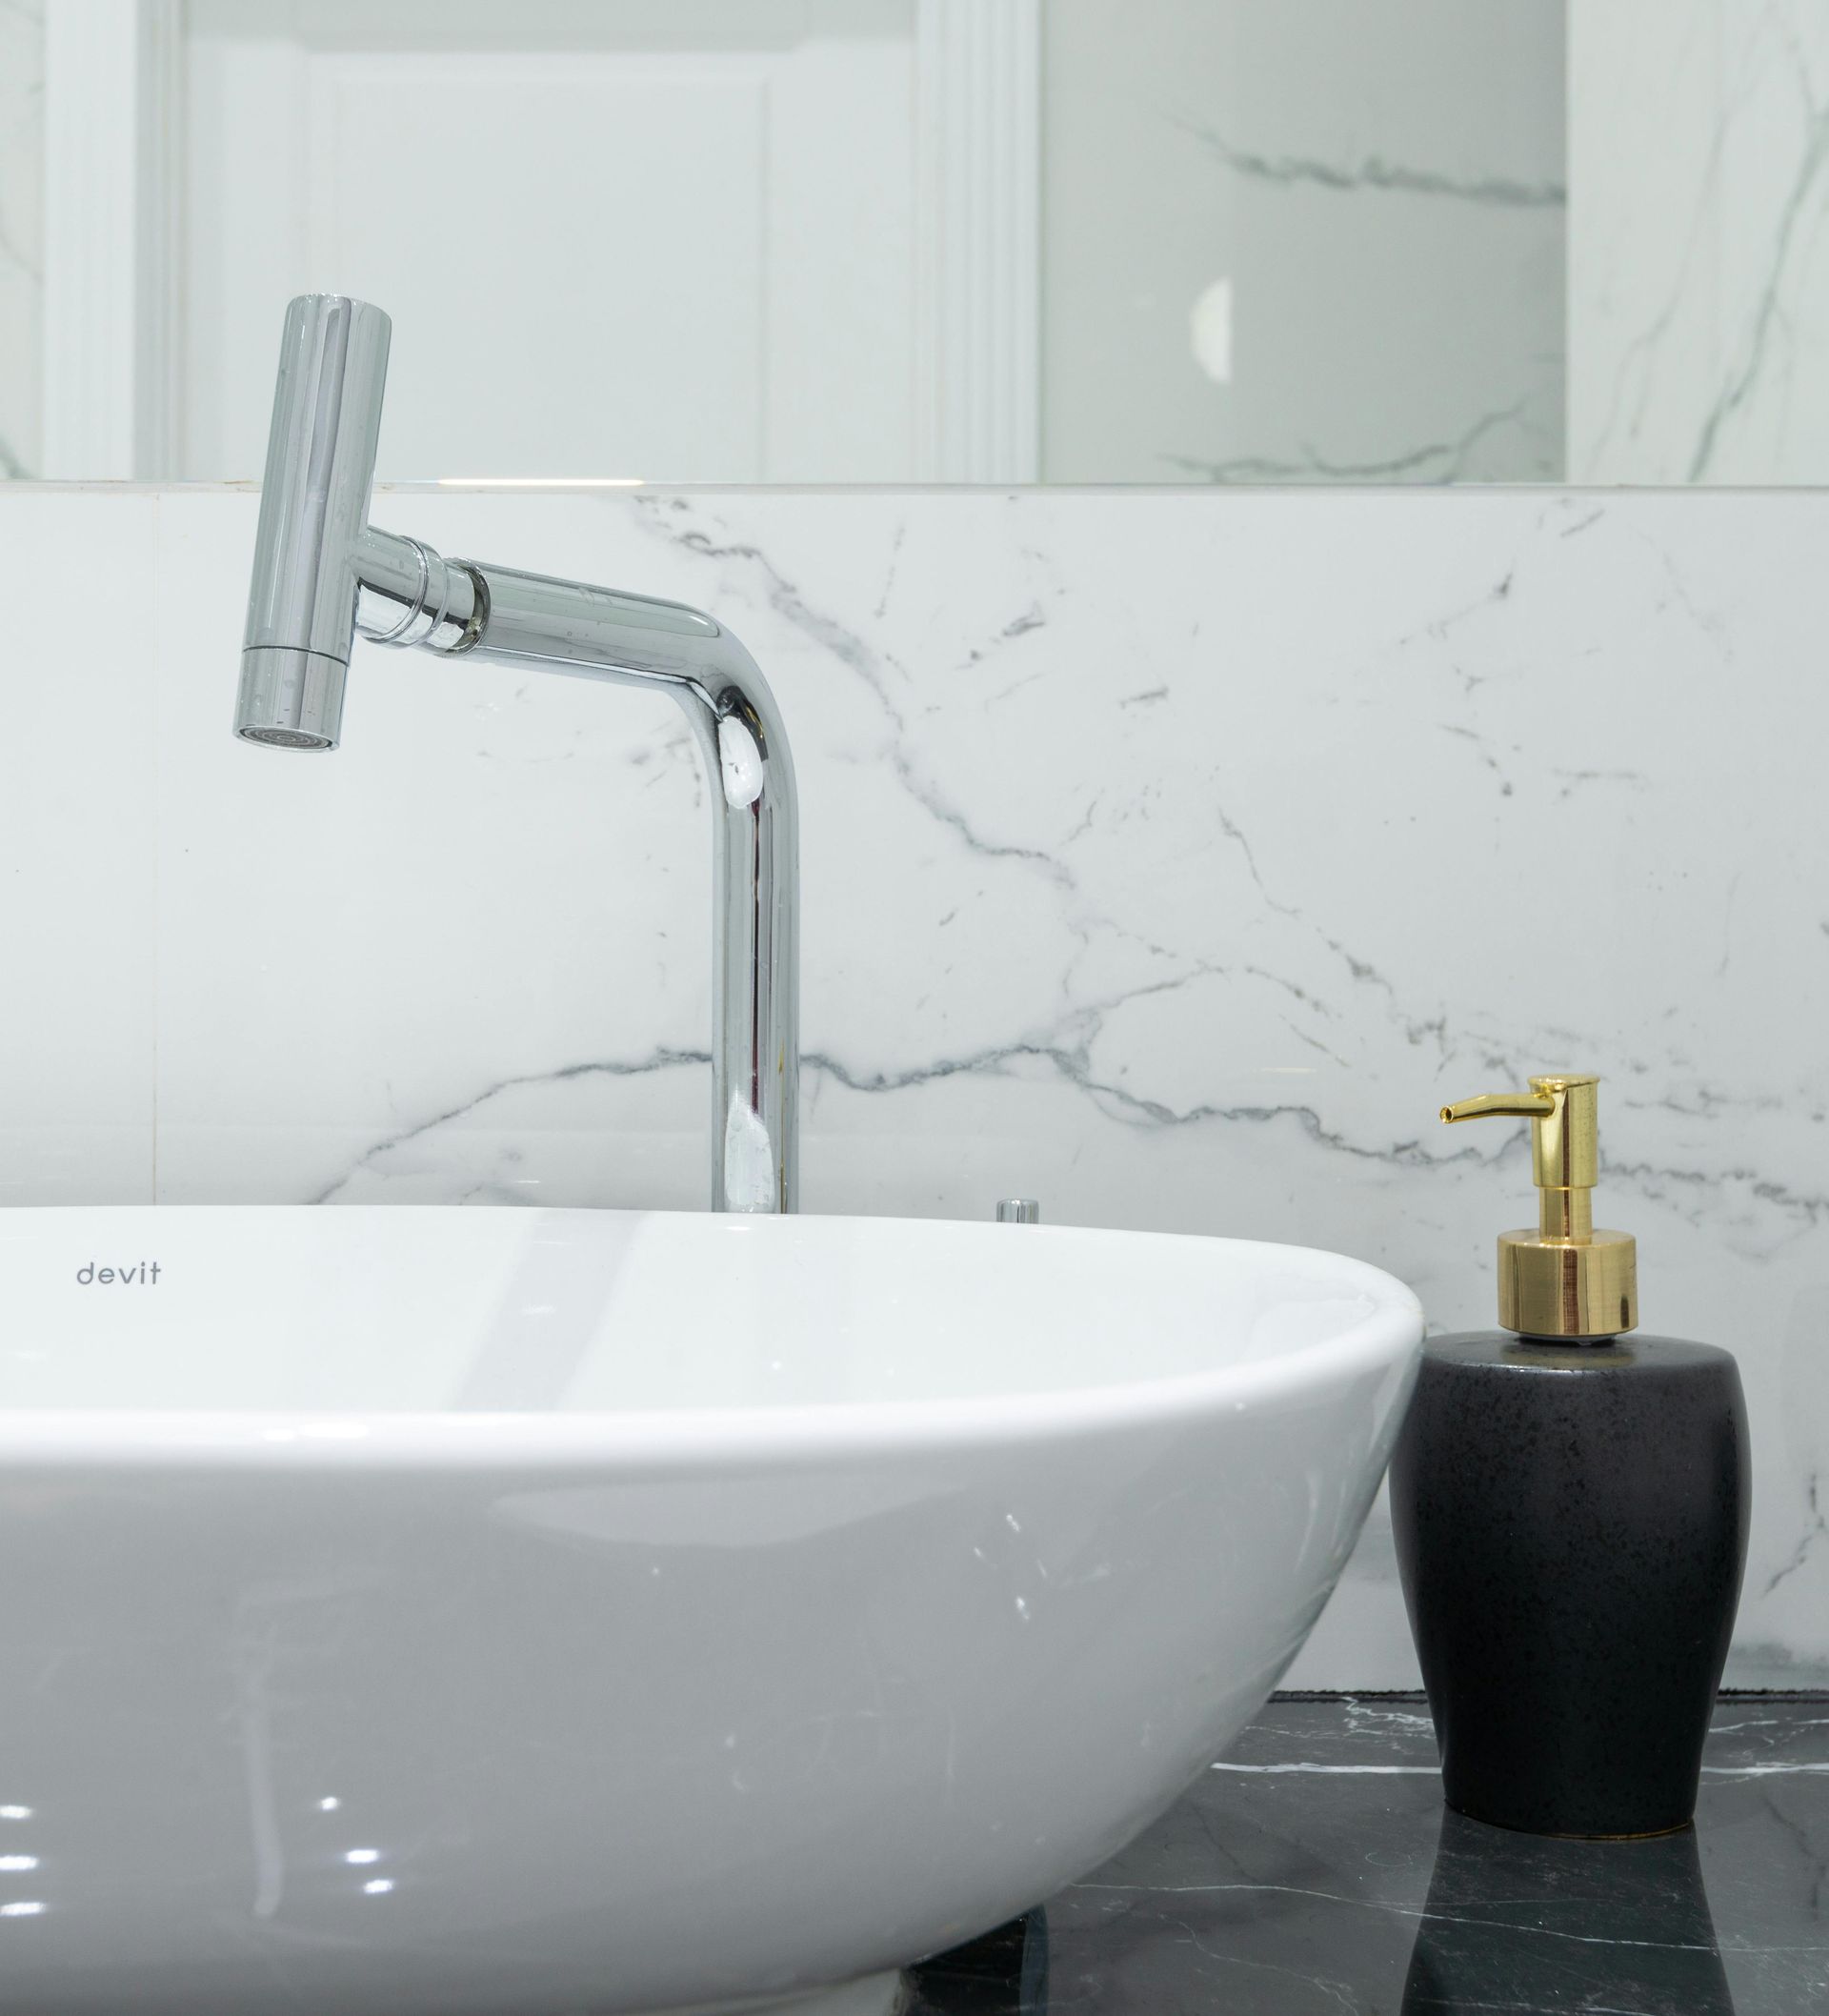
[(663, 238), (681, 240)]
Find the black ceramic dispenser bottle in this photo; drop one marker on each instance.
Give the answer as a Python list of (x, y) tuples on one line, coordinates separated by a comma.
[(1570, 1503)]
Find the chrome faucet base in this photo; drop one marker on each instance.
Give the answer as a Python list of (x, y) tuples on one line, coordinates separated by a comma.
[(323, 575)]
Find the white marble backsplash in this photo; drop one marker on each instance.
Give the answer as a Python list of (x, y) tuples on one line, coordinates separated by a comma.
[(1698, 260), (1168, 856)]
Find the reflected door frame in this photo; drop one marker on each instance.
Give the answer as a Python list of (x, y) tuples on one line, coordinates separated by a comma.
[(113, 227)]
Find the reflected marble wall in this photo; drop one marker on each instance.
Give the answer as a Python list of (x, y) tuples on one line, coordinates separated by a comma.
[(1310, 242), (1699, 257), (1169, 856), (22, 95)]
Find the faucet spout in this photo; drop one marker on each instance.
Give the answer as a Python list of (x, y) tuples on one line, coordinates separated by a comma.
[(323, 575)]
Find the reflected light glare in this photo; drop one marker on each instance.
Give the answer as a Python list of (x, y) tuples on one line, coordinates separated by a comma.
[(22, 1910), (15, 1813), (379, 1887), (18, 1862), (363, 1855), (540, 482)]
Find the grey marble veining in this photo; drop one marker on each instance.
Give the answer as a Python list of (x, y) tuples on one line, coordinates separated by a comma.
[(1373, 171), (1430, 461), (1213, 840), (1316, 1870)]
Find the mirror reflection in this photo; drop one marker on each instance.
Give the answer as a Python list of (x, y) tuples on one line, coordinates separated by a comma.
[(1005, 241)]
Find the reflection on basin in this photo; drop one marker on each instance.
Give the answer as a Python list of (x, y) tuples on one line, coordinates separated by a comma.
[(486, 1611)]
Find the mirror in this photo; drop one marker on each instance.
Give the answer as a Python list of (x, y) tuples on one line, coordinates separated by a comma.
[(895, 241)]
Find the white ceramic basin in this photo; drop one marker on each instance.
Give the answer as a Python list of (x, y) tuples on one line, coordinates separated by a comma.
[(501, 1613)]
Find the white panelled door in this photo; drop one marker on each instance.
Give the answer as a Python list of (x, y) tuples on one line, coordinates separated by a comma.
[(679, 240), (670, 239)]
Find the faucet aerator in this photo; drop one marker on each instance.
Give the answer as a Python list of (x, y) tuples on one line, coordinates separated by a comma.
[(290, 699), (284, 738)]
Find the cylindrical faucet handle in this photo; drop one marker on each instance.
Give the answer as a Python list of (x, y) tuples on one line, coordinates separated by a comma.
[(1018, 1211), (314, 507)]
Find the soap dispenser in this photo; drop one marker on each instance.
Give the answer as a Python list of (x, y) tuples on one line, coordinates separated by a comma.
[(1570, 1502)]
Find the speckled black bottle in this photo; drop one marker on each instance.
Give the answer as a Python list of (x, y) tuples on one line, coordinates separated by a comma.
[(1571, 1521), (1571, 1515)]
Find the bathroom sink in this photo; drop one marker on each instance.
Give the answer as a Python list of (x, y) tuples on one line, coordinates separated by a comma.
[(505, 1613)]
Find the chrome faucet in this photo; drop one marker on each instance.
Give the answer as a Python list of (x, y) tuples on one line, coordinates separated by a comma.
[(323, 574)]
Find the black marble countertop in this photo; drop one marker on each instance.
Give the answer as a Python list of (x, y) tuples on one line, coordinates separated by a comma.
[(1316, 1870)]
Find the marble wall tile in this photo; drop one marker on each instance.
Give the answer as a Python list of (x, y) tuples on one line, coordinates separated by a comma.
[(1699, 258), (22, 149), (77, 816), (1169, 855)]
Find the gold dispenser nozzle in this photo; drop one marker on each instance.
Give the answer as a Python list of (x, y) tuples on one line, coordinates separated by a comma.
[(1564, 1279)]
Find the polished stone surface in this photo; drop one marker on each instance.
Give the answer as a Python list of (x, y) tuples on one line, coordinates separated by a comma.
[(1314, 1869)]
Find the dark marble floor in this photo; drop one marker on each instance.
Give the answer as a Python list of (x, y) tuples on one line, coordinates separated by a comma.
[(1313, 1872)]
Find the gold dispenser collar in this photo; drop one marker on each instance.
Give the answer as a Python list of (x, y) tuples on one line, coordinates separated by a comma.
[(1564, 1279)]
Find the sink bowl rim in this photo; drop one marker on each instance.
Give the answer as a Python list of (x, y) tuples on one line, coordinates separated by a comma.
[(646, 1440)]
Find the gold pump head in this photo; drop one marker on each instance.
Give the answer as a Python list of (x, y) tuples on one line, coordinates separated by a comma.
[(1564, 1279)]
